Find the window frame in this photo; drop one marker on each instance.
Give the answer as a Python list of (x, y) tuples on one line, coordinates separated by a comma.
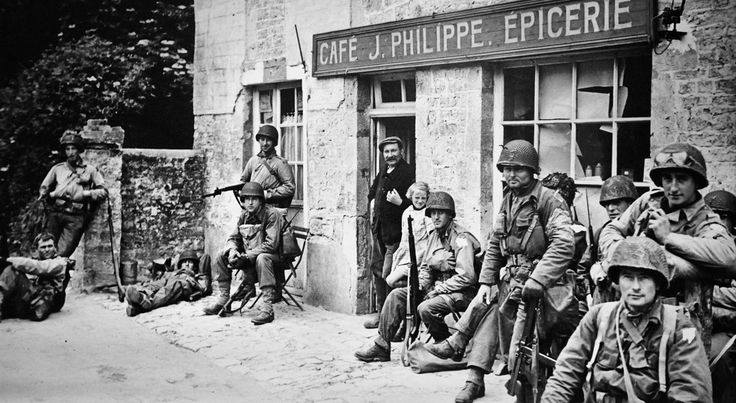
[(275, 90)]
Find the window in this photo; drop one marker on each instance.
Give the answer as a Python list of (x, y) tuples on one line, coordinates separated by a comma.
[(588, 118), (396, 92), (282, 106)]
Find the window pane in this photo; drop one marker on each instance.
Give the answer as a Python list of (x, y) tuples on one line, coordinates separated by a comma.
[(410, 87), (594, 147), (391, 91), (287, 142), (635, 74), (518, 94), (554, 148), (299, 172), (265, 106), (595, 89), (299, 105), (518, 133), (299, 143), (288, 105), (633, 148), (555, 85)]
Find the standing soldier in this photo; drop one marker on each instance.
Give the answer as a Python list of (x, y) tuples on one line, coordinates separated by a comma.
[(529, 250), (71, 187), (270, 170), (636, 349), (388, 192), (617, 194), (252, 247), (685, 226)]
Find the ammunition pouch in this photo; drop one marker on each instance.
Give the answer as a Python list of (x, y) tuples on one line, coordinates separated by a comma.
[(69, 207)]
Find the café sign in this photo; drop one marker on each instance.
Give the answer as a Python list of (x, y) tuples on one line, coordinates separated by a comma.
[(510, 30)]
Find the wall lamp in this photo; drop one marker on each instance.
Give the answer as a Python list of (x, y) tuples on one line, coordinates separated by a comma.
[(670, 15)]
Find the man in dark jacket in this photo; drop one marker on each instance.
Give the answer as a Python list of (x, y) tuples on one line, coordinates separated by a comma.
[(388, 193)]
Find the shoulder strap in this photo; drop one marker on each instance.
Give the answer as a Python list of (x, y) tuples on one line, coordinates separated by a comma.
[(630, 392), (602, 320), (528, 234), (273, 172), (669, 322)]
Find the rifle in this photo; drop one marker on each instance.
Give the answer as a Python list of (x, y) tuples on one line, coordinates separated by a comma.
[(528, 356), (115, 268), (412, 321), (234, 188), (241, 294)]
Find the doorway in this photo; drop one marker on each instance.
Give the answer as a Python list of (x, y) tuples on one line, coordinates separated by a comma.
[(402, 127)]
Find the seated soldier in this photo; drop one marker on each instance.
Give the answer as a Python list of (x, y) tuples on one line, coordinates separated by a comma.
[(254, 248), (447, 278), (189, 282), (34, 288), (614, 353)]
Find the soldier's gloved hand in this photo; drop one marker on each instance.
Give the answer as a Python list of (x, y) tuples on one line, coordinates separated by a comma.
[(532, 290)]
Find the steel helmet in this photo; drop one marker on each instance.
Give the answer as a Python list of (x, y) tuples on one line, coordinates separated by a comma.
[(269, 132), (640, 253), (440, 201), (187, 255), (618, 187), (71, 137), (680, 156), (721, 200), (252, 189), (519, 153)]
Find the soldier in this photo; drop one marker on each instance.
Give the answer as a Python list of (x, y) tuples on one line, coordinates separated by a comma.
[(529, 250), (71, 187), (723, 203), (617, 194), (190, 281), (388, 192), (34, 288), (446, 278), (254, 248), (270, 170), (636, 349), (684, 226)]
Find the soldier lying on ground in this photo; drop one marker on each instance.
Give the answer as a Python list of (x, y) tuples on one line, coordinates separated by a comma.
[(34, 288), (189, 282), (254, 248), (635, 348), (528, 252), (447, 280)]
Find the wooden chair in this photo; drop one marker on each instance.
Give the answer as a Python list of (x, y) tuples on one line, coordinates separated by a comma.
[(301, 234)]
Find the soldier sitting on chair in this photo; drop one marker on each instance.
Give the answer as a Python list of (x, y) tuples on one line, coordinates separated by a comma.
[(190, 281), (447, 279), (34, 288)]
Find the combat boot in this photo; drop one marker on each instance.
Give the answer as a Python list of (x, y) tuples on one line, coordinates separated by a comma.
[(374, 353), (265, 308), (470, 392), (443, 350), (221, 301), (132, 295)]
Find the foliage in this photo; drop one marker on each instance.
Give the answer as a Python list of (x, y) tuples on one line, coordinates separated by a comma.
[(128, 61)]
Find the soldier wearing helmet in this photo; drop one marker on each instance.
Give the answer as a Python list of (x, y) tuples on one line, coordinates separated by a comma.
[(684, 226), (254, 248), (447, 279), (723, 203), (273, 172), (71, 189), (665, 358), (388, 193), (190, 281), (529, 250)]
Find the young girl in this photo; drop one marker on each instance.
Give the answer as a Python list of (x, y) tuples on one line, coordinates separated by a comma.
[(422, 225)]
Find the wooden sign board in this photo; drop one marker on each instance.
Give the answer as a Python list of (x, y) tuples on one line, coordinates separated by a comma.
[(510, 30)]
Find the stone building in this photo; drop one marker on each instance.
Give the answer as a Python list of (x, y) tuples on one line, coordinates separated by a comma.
[(455, 79)]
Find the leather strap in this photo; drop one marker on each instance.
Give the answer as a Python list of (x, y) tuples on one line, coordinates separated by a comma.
[(273, 172), (631, 394), (668, 323)]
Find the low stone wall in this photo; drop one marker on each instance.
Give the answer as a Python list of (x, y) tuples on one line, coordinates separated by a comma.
[(162, 213)]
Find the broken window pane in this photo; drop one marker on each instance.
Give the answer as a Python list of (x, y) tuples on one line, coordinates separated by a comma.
[(288, 105), (519, 94), (554, 148), (595, 89), (410, 87), (518, 133), (391, 91), (593, 152), (555, 85), (633, 148), (635, 74)]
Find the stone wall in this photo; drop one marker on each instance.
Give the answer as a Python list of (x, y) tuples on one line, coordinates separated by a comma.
[(694, 88), (162, 209)]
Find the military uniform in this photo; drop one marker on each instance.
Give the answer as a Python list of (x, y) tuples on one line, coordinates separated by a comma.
[(71, 189), (280, 186), (30, 288)]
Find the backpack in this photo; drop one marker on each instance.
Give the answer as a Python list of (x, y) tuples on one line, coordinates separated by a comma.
[(669, 324)]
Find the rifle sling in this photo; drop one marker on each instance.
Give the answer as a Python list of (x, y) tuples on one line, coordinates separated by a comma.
[(273, 172)]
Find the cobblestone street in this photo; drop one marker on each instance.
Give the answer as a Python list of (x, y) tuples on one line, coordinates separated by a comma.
[(302, 356)]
